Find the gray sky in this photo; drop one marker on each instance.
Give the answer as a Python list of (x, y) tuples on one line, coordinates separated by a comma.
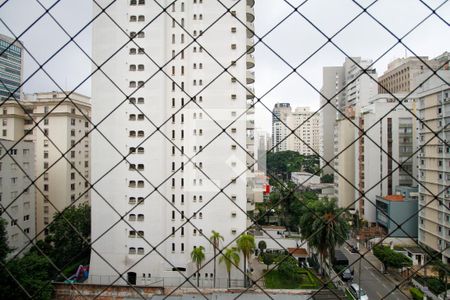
[(294, 40)]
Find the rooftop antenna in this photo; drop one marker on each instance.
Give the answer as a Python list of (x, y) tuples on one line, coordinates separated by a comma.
[(406, 52)]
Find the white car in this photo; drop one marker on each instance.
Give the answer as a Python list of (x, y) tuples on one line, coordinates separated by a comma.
[(358, 292)]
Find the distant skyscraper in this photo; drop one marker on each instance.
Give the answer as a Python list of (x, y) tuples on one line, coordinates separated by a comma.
[(11, 63), (358, 88), (332, 84), (279, 130), (166, 123), (306, 139)]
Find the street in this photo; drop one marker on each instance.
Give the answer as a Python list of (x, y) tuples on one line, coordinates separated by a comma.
[(376, 285)]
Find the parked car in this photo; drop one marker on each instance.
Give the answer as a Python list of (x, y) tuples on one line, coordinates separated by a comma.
[(358, 292), (353, 249), (347, 275)]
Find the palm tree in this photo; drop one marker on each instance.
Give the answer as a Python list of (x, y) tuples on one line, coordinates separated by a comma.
[(215, 240), (230, 258), (198, 256), (325, 226), (246, 244)]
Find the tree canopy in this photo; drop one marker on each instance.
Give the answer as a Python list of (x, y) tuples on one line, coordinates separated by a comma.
[(4, 247), (69, 235), (63, 246), (391, 258), (324, 225), (282, 164)]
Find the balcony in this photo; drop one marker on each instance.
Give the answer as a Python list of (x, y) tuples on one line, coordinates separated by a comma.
[(250, 3), (250, 124), (250, 46), (250, 140), (250, 77), (250, 61), (250, 29), (250, 96), (250, 93), (250, 14)]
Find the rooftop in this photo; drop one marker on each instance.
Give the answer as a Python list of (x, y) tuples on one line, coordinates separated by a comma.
[(298, 252), (414, 249), (394, 197)]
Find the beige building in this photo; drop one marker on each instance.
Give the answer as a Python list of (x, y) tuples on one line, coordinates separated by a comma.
[(17, 193), (58, 127), (306, 139), (332, 84), (401, 75), (305, 122), (357, 88), (433, 99), (344, 162)]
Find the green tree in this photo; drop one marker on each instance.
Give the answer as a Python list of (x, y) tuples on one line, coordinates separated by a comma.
[(69, 235), (246, 244), (441, 268), (325, 226), (27, 277), (198, 256), (230, 257), (268, 259), (215, 239), (262, 246), (327, 178), (289, 269), (391, 258), (4, 247)]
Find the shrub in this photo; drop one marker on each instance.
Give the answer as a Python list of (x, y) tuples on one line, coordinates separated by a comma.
[(289, 268), (416, 293), (435, 285)]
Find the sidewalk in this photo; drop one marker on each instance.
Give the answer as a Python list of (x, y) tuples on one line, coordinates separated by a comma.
[(258, 271)]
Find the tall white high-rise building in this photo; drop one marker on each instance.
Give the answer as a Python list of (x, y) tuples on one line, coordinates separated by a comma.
[(332, 85), (358, 87), (160, 106)]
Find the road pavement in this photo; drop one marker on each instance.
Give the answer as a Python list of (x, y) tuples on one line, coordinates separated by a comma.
[(376, 284)]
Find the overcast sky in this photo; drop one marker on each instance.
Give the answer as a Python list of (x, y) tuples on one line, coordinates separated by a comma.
[(294, 40)]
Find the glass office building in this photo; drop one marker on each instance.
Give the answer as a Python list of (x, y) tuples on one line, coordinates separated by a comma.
[(11, 61)]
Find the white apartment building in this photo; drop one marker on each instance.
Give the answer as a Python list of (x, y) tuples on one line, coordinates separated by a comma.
[(17, 203), (433, 101), (305, 122), (280, 113), (358, 88), (165, 123), (306, 140), (332, 87), (63, 127), (390, 140)]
